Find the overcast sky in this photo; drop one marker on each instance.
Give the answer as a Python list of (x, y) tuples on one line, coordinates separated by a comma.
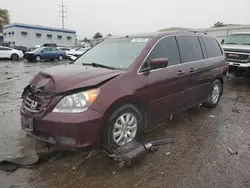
[(128, 16)]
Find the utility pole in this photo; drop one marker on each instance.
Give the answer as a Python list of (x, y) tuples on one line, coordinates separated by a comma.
[(62, 9)]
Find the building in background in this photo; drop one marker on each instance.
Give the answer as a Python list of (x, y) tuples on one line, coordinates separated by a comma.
[(1, 38), (223, 32), (218, 32), (32, 35)]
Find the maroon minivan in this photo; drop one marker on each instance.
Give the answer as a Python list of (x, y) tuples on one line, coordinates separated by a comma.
[(115, 90)]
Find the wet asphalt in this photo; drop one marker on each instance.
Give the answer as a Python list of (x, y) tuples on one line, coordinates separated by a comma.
[(198, 158)]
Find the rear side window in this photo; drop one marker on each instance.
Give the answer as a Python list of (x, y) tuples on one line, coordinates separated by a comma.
[(190, 48), (166, 48), (212, 47)]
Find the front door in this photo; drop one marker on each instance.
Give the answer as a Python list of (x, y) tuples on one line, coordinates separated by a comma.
[(166, 86), (46, 53)]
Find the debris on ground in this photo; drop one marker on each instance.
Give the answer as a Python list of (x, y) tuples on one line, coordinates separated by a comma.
[(235, 110), (232, 152), (168, 153), (12, 77), (212, 116), (11, 164), (127, 155)]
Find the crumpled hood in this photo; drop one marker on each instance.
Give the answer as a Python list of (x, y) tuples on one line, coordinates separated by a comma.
[(236, 48), (63, 78)]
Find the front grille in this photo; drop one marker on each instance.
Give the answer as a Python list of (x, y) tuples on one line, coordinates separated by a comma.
[(35, 103), (237, 57)]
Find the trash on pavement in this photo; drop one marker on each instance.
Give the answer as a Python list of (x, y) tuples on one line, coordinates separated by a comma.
[(127, 155), (232, 152)]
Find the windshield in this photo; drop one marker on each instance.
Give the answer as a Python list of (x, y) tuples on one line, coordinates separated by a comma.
[(38, 49), (117, 53), (243, 39)]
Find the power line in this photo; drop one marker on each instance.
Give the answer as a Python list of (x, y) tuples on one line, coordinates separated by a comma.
[(63, 11)]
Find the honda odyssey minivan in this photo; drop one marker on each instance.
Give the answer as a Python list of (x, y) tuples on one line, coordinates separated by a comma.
[(115, 90)]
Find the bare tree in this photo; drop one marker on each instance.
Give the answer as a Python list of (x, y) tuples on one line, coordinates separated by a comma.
[(97, 35), (219, 24), (4, 18)]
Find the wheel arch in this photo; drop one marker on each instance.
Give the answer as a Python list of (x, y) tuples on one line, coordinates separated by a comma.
[(14, 54), (221, 81), (141, 105)]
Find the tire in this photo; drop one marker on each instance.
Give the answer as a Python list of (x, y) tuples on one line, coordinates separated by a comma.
[(60, 57), (214, 95), (14, 57), (38, 58), (131, 131)]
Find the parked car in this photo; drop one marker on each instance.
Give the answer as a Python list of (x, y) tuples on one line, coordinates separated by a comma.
[(237, 50), (45, 53), (67, 50), (10, 53), (121, 86), (21, 48)]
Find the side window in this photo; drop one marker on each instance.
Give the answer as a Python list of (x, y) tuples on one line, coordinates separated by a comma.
[(203, 48), (166, 48), (5, 49), (53, 49), (212, 47), (190, 48), (46, 49)]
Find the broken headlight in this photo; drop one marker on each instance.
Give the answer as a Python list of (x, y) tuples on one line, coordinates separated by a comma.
[(77, 102)]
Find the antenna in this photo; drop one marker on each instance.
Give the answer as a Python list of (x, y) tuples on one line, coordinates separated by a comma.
[(63, 11)]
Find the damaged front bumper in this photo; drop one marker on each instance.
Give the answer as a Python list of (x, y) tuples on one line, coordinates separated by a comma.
[(80, 130)]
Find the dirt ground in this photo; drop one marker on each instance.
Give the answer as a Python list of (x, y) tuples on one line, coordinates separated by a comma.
[(198, 158)]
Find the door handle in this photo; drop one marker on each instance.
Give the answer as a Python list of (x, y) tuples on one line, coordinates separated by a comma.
[(192, 70), (180, 72)]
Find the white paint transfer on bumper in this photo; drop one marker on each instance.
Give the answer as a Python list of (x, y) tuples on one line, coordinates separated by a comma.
[(236, 64)]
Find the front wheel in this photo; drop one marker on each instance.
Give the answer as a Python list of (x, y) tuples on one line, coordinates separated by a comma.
[(38, 58), (60, 57), (14, 57), (214, 95), (124, 126)]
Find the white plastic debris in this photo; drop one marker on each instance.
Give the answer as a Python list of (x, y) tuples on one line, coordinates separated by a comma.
[(168, 153), (212, 116)]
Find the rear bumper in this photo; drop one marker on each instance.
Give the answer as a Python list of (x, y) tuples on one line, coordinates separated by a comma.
[(236, 64), (81, 130)]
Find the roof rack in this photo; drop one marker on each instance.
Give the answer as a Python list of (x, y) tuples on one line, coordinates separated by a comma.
[(194, 31)]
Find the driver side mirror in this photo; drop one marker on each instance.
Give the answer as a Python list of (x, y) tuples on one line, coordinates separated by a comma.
[(158, 63), (223, 40)]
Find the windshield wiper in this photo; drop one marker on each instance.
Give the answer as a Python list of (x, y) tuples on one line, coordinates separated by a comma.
[(99, 65), (245, 44)]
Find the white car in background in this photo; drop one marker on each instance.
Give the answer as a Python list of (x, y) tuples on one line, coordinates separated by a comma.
[(71, 53), (10, 53)]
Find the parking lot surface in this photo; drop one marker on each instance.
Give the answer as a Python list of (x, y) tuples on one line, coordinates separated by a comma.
[(198, 158)]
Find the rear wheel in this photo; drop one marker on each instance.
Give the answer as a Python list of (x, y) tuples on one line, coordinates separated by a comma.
[(38, 58), (124, 126), (60, 57), (14, 57), (214, 95)]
